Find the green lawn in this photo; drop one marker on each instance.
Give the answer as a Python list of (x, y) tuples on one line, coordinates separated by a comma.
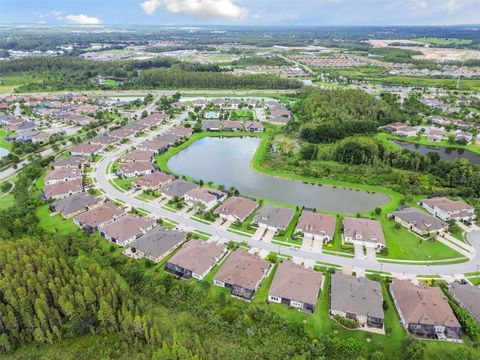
[(147, 197), (442, 41), (3, 143), (124, 184), (242, 115), (55, 224), (246, 224), (290, 230)]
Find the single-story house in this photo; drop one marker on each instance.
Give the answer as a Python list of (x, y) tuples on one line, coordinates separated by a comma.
[(153, 181), (156, 146), (242, 273), (435, 135), (295, 286), (231, 125), (419, 222), (273, 217), (75, 204), (211, 125), (396, 126), (316, 225), (446, 209), (126, 229), (103, 140), (253, 126), (137, 156), (86, 149), (99, 216), (467, 297), (182, 132), (77, 161), (157, 243), (236, 208), (407, 132), (424, 311), (62, 175), (195, 259), (121, 133), (154, 119), (358, 299), (130, 170), (177, 188), (206, 197), (363, 232), (463, 136), (62, 189)]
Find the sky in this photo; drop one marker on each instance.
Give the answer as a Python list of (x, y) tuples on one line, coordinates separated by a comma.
[(241, 12)]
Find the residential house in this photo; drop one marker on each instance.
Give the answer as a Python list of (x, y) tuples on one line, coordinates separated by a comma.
[(211, 125), (99, 216), (435, 135), (177, 188), (121, 133), (408, 131), (153, 181), (103, 140), (75, 204), (295, 286), (424, 311), (253, 126), (62, 189), (447, 209), (396, 126), (86, 149), (364, 232), (157, 243), (154, 119), (61, 175), (76, 161), (315, 225), (274, 218), (463, 136), (182, 132), (236, 208), (154, 145), (242, 273), (195, 259), (137, 156), (358, 299), (230, 125), (130, 170), (126, 229), (467, 297), (419, 222), (172, 139), (204, 197)]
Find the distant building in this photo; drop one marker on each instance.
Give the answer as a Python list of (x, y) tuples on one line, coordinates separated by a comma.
[(447, 209)]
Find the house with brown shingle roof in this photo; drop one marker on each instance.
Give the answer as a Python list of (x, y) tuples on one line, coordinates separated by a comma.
[(62, 190), (232, 125), (153, 181), (295, 286), (121, 133), (137, 156), (62, 175), (364, 232), (130, 170), (86, 149), (182, 132), (77, 161), (99, 216), (424, 311), (253, 126), (315, 225), (242, 273), (236, 208), (75, 204), (195, 259), (154, 145), (126, 229), (207, 197), (446, 209)]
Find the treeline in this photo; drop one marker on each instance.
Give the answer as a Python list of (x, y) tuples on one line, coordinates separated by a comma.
[(162, 49), (259, 61), (154, 78), (330, 115)]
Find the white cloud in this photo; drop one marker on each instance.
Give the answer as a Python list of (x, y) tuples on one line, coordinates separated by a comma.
[(204, 9), (452, 6), (83, 19), (150, 6)]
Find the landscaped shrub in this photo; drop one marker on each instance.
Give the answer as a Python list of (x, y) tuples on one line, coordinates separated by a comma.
[(348, 323)]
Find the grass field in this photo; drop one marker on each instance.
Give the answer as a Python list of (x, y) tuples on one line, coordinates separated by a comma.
[(242, 115), (442, 41), (3, 143), (56, 223)]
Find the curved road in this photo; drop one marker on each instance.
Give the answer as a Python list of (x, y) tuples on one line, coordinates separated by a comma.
[(409, 270)]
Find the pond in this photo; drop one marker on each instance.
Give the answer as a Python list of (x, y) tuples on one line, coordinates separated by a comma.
[(226, 161), (3, 152), (445, 153)]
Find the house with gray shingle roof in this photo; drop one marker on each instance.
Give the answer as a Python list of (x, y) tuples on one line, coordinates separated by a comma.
[(178, 188), (75, 204), (467, 297), (419, 222), (273, 217), (357, 298)]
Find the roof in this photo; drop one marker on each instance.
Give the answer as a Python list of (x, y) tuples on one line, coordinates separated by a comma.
[(198, 256), (169, 138), (237, 206), (423, 304), (104, 140), (181, 131), (296, 283), (138, 155), (209, 124), (76, 202), (447, 205), (276, 216), (130, 168), (368, 230), (469, 296), (254, 125), (154, 179), (75, 160), (99, 214), (356, 295), (232, 124), (316, 223), (86, 148), (121, 133), (420, 220), (178, 187), (158, 241), (243, 269), (205, 194), (154, 145), (62, 188), (62, 173), (127, 226)]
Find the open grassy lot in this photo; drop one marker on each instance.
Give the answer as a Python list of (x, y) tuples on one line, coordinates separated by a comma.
[(3, 143), (10, 82), (442, 41), (56, 223), (242, 115), (124, 184)]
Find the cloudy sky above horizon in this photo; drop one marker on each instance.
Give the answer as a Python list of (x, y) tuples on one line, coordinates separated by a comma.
[(241, 12)]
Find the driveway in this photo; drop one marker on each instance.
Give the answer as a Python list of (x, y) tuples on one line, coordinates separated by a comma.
[(371, 254), (359, 254), (258, 234), (268, 237)]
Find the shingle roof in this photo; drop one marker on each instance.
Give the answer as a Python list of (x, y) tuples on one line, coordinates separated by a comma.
[(158, 241), (74, 203), (127, 226), (62, 188), (178, 187), (317, 223), (356, 295), (276, 216), (420, 220), (296, 283), (72, 161), (369, 230), (237, 206), (198, 256), (469, 295), (99, 215), (423, 304), (155, 179)]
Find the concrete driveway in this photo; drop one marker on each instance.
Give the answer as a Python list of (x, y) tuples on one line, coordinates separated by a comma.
[(371, 254), (258, 233), (359, 254), (269, 236)]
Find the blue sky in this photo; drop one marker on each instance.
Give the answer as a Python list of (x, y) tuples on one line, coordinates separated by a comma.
[(242, 12)]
